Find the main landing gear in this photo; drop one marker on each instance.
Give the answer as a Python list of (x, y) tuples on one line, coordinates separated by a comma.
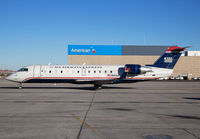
[(97, 86)]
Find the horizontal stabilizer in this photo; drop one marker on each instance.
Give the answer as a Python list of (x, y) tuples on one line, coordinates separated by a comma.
[(176, 49)]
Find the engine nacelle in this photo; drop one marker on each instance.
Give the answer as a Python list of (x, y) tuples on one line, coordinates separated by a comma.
[(133, 69)]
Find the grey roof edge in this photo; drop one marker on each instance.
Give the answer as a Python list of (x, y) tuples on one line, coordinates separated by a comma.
[(150, 45)]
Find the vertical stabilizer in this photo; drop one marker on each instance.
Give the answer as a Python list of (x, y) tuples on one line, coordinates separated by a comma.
[(169, 58)]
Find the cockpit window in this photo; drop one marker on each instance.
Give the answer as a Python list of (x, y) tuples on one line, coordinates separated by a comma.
[(23, 69)]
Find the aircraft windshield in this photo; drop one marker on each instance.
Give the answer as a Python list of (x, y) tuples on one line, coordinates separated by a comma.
[(23, 69)]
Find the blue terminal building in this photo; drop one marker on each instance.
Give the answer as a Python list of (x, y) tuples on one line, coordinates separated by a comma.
[(129, 54)]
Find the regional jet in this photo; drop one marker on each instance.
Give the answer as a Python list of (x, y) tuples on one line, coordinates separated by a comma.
[(99, 74)]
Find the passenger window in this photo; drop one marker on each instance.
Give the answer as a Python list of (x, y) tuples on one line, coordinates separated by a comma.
[(99, 71), (78, 71), (50, 71), (105, 71), (61, 71), (88, 71), (111, 71), (95, 71)]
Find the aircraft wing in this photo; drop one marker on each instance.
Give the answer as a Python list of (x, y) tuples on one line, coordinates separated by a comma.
[(110, 81), (96, 81)]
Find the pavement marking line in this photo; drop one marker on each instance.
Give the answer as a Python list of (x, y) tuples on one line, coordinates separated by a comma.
[(89, 126), (91, 102), (191, 133)]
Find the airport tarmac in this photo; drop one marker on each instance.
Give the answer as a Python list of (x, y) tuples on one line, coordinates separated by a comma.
[(144, 110)]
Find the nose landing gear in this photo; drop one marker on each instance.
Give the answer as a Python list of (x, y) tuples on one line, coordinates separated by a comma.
[(20, 85)]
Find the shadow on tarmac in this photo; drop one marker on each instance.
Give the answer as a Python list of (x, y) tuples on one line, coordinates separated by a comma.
[(192, 98), (185, 117), (75, 88)]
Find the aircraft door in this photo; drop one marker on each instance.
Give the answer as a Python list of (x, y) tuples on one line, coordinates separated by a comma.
[(37, 71), (83, 71)]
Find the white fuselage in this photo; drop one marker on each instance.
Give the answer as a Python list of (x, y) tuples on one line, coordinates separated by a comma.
[(83, 73)]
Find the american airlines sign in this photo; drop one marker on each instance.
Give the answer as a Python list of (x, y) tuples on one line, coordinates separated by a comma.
[(80, 50), (94, 50)]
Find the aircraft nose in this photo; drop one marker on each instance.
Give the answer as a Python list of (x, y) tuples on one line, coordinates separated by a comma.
[(13, 77), (9, 78)]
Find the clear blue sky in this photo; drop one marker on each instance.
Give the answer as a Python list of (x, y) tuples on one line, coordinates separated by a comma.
[(38, 31)]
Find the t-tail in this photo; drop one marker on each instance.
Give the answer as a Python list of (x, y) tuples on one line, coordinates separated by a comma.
[(169, 58)]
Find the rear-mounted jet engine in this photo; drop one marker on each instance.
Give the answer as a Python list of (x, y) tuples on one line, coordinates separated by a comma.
[(134, 69)]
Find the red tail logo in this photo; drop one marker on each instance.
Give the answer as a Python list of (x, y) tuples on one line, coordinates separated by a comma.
[(127, 69), (93, 51)]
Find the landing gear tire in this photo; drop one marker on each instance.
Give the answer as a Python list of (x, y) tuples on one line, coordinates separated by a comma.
[(97, 86)]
